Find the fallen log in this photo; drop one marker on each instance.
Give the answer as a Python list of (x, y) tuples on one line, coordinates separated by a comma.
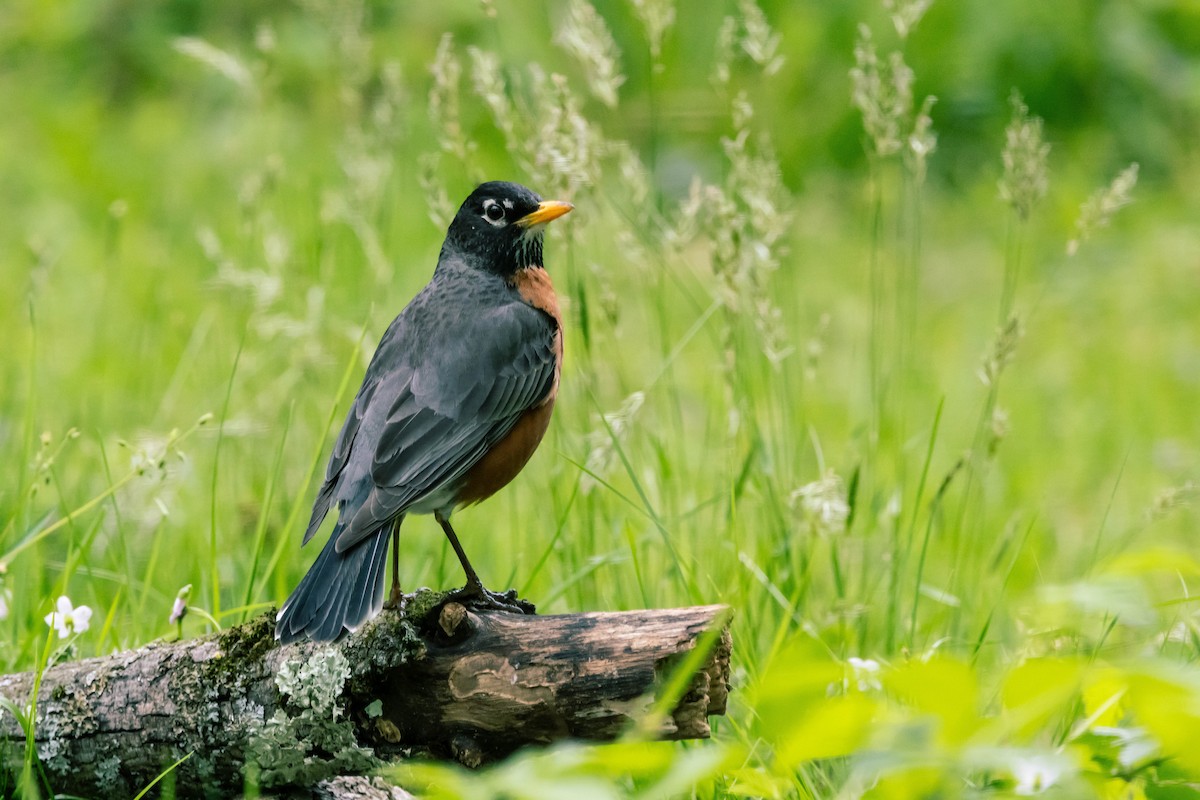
[(439, 681), (344, 787)]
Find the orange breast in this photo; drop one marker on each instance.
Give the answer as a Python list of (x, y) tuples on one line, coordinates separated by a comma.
[(510, 455)]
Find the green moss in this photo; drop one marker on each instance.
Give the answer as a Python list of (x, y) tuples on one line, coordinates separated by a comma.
[(381, 646), (251, 640), (422, 604), (222, 690)]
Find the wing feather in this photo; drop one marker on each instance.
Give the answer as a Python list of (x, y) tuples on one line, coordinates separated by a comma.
[(443, 416)]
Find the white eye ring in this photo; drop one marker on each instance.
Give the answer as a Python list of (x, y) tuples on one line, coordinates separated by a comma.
[(493, 212)]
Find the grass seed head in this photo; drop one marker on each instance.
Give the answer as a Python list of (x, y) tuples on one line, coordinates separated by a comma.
[(440, 207), (487, 80), (1173, 498), (906, 14), (882, 91), (657, 17), (605, 436), (565, 151), (444, 111), (1026, 176), (1004, 346), (758, 40), (724, 55), (585, 35), (1100, 208), (922, 141)]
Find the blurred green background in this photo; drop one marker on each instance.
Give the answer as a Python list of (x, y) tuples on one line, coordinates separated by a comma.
[(104, 109), (216, 207)]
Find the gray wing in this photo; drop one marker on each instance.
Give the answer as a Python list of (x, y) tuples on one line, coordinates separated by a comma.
[(340, 456), (424, 425)]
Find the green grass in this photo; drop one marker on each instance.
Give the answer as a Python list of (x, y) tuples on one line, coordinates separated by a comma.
[(184, 238)]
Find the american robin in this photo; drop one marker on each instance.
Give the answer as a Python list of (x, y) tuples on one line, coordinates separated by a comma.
[(457, 397)]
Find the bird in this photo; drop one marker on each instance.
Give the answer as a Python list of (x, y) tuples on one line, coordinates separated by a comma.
[(455, 400)]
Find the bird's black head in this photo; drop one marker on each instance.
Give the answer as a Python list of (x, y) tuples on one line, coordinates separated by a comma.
[(499, 228)]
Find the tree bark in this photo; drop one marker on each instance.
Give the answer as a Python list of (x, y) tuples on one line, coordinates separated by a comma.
[(441, 681), (345, 787)]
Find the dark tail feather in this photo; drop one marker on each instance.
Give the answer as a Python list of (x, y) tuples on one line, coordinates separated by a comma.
[(320, 509), (340, 592)]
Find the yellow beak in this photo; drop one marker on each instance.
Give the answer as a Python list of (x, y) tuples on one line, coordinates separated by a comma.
[(546, 211)]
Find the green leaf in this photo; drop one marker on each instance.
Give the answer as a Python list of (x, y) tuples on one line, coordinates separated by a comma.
[(944, 688), (1037, 690), (1166, 560), (836, 727)]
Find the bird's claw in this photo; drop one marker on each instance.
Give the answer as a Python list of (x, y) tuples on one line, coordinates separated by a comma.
[(477, 597), (396, 601)]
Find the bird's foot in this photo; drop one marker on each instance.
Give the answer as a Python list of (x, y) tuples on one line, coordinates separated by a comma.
[(396, 600), (477, 597)]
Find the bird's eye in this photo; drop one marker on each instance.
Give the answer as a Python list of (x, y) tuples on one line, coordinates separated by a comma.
[(493, 212)]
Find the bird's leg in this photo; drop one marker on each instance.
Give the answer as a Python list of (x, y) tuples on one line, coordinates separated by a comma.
[(474, 593), (473, 582), (396, 598)]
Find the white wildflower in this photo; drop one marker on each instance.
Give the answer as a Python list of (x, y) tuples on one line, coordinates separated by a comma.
[(5, 601), (865, 673), (1036, 773), (67, 619), (823, 504)]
